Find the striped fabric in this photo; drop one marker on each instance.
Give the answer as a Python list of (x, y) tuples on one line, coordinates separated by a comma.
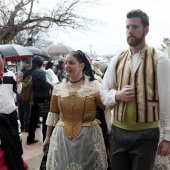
[(145, 84)]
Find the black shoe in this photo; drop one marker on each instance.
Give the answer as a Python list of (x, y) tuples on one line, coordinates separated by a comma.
[(32, 142)]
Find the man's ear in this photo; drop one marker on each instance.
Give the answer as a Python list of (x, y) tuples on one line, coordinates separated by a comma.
[(146, 30)]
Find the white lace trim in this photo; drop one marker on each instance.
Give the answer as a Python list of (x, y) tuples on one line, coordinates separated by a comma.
[(52, 119), (101, 162), (99, 148), (74, 166), (88, 88)]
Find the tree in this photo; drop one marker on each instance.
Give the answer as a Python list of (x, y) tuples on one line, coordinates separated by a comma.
[(21, 17)]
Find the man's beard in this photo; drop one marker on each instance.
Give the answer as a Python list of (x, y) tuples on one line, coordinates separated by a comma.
[(133, 41)]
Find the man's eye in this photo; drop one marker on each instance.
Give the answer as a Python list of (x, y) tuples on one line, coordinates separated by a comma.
[(135, 27)]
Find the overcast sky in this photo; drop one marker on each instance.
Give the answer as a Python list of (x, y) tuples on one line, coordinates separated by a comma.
[(111, 37)]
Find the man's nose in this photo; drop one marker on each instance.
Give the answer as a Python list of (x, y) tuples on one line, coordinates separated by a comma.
[(130, 29)]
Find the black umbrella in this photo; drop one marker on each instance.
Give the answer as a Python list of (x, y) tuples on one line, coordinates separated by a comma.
[(38, 51), (14, 52)]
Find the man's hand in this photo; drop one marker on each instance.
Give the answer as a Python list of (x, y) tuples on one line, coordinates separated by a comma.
[(164, 148), (19, 77), (126, 94)]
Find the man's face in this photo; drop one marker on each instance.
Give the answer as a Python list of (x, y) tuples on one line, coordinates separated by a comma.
[(135, 32), (2, 61), (28, 67), (62, 66)]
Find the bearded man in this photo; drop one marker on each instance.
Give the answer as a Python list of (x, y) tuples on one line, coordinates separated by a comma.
[(137, 84)]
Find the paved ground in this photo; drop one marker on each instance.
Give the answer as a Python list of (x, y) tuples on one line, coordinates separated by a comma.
[(33, 153)]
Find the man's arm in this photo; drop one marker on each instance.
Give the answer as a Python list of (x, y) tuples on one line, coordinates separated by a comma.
[(163, 76), (108, 86)]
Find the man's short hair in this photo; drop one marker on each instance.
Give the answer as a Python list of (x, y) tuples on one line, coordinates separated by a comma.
[(37, 61), (139, 14), (61, 62)]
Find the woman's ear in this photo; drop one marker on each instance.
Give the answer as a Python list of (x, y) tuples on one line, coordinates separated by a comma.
[(82, 65)]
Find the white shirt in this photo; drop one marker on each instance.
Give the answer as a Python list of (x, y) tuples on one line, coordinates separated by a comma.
[(51, 77), (163, 76), (7, 103)]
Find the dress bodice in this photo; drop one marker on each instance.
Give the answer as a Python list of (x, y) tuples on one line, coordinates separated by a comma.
[(76, 108)]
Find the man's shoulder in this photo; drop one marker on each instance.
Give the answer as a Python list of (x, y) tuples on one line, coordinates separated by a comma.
[(121, 55), (38, 72), (162, 56)]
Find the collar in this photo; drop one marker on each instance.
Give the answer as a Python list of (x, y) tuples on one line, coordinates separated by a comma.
[(141, 52)]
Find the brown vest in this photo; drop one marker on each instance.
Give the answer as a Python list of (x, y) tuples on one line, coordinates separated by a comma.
[(145, 84)]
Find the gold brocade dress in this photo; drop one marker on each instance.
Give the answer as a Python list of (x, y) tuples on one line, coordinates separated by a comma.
[(77, 141)]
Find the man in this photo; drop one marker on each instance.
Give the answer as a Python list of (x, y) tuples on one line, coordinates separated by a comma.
[(24, 106), (41, 88), (9, 84), (137, 84), (59, 70), (10, 144)]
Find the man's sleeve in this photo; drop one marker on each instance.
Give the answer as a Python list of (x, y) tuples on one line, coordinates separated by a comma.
[(163, 75), (108, 90)]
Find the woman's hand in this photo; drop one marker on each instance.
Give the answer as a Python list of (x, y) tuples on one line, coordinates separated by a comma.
[(46, 144)]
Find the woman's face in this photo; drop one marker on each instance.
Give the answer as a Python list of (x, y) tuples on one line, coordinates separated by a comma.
[(73, 67)]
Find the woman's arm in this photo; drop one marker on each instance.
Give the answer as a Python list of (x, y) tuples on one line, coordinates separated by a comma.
[(47, 139)]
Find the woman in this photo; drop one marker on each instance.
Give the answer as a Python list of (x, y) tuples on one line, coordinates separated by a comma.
[(50, 76), (76, 142), (96, 66)]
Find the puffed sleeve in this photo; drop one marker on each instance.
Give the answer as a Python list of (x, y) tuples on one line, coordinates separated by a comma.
[(53, 114)]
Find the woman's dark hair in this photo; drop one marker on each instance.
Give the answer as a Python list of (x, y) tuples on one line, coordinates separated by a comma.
[(81, 58), (49, 65), (140, 14)]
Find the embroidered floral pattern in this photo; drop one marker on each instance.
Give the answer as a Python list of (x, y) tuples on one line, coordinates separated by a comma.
[(52, 119), (74, 166), (101, 162), (56, 160), (88, 88), (52, 163)]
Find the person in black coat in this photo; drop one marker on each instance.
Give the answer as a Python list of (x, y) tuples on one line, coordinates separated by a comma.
[(41, 94)]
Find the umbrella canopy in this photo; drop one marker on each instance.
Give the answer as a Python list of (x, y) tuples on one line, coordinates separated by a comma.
[(58, 49), (89, 56), (14, 52), (38, 51)]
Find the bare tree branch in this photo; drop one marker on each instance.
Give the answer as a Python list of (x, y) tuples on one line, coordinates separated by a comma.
[(20, 15)]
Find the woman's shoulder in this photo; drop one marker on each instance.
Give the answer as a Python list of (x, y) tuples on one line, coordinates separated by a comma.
[(60, 88), (95, 82), (89, 88)]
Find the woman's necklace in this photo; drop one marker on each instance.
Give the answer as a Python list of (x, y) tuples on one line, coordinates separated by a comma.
[(76, 80), (73, 83)]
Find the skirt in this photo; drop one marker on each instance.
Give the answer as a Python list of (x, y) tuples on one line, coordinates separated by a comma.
[(86, 151)]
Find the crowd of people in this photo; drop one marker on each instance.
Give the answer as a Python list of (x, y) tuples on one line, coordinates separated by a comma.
[(101, 116)]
